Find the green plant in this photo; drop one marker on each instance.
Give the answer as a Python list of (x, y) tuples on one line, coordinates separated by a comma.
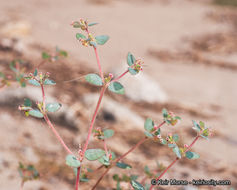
[(105, 156)]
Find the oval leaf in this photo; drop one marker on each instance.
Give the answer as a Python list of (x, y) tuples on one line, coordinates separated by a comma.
[(101, 40), (104, 160), (94, 154), (79, 36), (136, 185), (149, 125), (116, 87), (132, 71), (123, 165), (72, 161), (53, 107), (49, 82), (36, 113), (149, 135), (108, 133), (34, 82), (191, 155), (94, 79), (177, 151), (130, 59)]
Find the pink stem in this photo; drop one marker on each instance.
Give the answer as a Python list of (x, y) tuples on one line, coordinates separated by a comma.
[(56, 134), (97, 59), (78, 178), (161, 175), (51, 125), (93, 120), (119, 77), (98, 62)]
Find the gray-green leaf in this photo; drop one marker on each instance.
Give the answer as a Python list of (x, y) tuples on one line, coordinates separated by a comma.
[(116, 87), (94, 79), (49, 82), (130, 59), (191, 155), (94, 154), (79, 36), (108, 133), (36, 113), (72, 161), (34, 82), (53, 107), (136, 185), (101, 40), (177, 151), (123, 165), (149, 125)]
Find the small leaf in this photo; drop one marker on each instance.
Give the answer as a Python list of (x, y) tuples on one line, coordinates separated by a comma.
[(132, 71), (94, 79), (130, 59), (53, 107), (149, 135), (27, 102), (104, 160), (136, 185), (116, 87), (92, 24), (72, 161), (191, 155), (79, 36), (123, 165), (165, 113), (35, 72), (175, 137), (101, 40), (177, 151), (94, 154), (45, 55), (196, 127), (34, 82), (36, 113), (49, 82), (76, 24), (108, 133), (149, 125)]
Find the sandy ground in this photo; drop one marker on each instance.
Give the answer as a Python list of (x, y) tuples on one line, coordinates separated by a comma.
[(188, 48)]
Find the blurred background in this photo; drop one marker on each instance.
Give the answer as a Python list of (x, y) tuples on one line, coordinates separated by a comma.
[(190, 51)]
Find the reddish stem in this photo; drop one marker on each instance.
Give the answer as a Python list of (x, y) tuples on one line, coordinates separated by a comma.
[(119, 77), (161, 175), (98, 62), (97, 59), (78, 178), (93, 120), (56, 134), (124, 155), (51, 125)]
